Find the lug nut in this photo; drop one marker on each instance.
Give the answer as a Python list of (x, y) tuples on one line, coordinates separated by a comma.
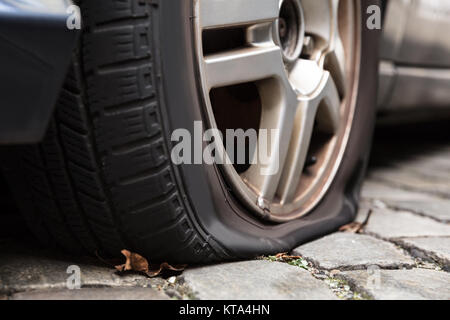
[(282, 27), (310, 161), (262, 204), (308, 45)]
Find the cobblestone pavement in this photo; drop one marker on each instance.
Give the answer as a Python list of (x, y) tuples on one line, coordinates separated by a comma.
[(403, 252)]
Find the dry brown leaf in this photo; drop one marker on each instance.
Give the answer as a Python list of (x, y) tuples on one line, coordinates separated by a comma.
[(279, 255), (356, 227), (285, 257), (134, 262), (156, 270), (137, 263)]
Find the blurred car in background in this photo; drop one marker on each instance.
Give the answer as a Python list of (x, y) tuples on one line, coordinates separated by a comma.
[(415, 59)]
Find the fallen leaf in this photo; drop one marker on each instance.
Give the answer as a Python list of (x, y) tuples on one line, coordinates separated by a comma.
[(137, 263), (134, 262), (356, 227), (279, 255), (164, 267), (285, 257)]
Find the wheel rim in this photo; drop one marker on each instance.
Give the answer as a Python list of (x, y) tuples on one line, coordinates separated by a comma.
[(301, 61)]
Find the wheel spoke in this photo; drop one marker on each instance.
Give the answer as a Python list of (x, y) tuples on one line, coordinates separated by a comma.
[(243, 65), (306, 76), (279, 109), (322, 22), (335, 52), (318, 19), (222, 13), (329, 112), (324, 105)]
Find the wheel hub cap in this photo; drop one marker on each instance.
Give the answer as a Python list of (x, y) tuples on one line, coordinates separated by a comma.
[(290, 29)]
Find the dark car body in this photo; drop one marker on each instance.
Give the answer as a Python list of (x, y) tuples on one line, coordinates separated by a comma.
[(35, 50)]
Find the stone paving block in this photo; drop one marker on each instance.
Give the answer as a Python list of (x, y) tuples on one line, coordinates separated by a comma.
[(437, 248), (353, 251), (398, 224), (255, 280), (411, 181), (399, 199), (428, 171), (29, 269), (92, 294), (415, 284), (438, 161), (437, 209), (433, 164), (378, 190)]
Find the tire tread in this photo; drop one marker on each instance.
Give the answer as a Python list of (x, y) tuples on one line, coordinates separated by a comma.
[(102, 177)]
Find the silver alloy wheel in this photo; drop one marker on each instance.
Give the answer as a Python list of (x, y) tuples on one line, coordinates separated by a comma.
[(306, 88)]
